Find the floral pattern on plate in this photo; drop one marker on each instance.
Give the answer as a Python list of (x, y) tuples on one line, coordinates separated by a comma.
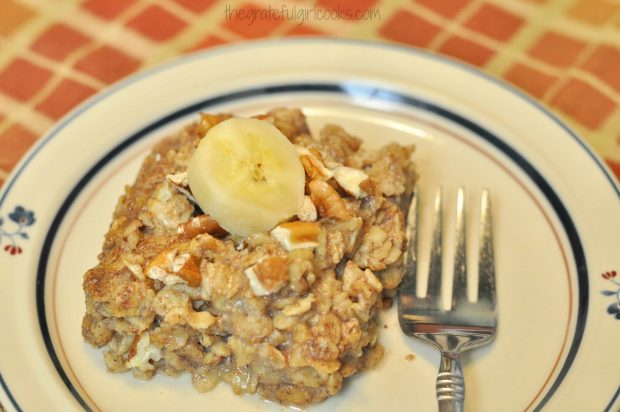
[(21, 218), (614, 308)]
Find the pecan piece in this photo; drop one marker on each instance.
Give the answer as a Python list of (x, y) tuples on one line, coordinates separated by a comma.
[(199, 225), (327, 201)]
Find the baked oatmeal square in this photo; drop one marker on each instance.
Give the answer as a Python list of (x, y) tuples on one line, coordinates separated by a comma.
[(225, 289)]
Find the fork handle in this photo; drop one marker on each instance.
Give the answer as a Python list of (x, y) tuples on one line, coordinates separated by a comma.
[(450, 383)]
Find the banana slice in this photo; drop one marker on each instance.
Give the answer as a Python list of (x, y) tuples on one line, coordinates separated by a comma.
[(247, 175)]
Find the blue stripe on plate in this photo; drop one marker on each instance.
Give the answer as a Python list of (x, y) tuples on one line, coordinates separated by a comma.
[(613, 400), (355, 91), (8, 392)]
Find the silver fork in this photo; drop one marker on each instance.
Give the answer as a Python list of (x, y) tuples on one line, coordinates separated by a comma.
[(466, 325)]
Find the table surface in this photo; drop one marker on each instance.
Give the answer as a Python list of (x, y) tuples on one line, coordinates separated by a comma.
[(53, 55)]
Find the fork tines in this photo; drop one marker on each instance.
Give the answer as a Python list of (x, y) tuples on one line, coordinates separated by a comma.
[(486, 273)]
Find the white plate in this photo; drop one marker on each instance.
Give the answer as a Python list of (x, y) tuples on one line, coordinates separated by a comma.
[(556, 211)]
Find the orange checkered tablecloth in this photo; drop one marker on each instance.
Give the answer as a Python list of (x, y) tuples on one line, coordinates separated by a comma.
[(54, 54)]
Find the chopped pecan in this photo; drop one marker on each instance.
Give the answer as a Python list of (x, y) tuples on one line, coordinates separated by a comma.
[(199, 225), (269, 275), (313, 163), (170, 267), (327, 201), (190, 272), (351, 179), (296, 235)]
